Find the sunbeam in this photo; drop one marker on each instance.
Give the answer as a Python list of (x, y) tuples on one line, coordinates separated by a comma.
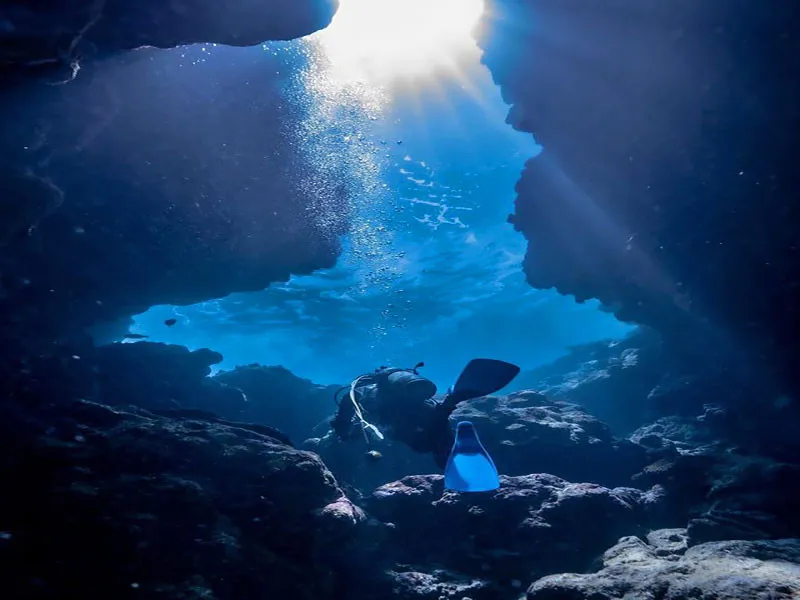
[(384, 41)]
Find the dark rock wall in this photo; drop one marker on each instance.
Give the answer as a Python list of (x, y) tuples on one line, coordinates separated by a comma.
[(610, 379), (668, 186), (51, 34), (276, 397), (118, 502)]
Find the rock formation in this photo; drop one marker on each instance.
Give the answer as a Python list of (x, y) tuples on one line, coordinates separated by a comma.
[(488, 543), (723, 489), (663, 567), (666, 189), (52, 34), (276, 397), (633, 382), (134, 186), (667, 186), (611, 379), (530, 433), (115, 501)]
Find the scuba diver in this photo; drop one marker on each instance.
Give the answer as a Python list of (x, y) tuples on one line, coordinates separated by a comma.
[(400, 404)]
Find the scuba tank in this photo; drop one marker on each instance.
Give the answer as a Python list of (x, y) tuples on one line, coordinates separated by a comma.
[(404, 385)]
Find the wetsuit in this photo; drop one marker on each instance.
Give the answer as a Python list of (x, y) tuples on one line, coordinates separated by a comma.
[(422, 425)]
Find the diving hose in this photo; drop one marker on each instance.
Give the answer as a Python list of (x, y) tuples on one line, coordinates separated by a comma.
[(365, 425)]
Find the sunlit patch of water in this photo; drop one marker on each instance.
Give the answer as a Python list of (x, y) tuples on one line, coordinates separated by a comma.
[(386, 41)]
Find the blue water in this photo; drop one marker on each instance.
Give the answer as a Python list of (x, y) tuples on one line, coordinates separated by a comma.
[(430, 271)]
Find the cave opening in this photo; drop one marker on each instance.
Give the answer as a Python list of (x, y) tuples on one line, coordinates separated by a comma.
[(414, 127), (301, 203)]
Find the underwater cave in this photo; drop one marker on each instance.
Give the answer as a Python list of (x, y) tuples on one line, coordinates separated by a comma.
[(359, 299)]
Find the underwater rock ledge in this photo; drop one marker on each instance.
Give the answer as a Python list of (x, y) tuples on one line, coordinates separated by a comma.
[(53, 34), (668, 185)]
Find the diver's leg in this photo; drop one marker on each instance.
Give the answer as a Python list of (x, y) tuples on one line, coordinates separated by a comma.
[(443, 447), (440, 433)]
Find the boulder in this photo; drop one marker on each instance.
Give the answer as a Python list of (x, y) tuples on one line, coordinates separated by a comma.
[(527, 432), (118, 501), (662, 567), (532, 525), (276, 397), (724, 489)]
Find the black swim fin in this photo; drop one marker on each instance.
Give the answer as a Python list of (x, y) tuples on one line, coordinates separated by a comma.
[(483, 376)]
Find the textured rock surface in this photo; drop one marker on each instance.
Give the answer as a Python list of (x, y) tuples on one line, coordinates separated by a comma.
[(663, 568), (528, 433), (632, 382), (612, 379), (53, 33), (111, 502), (438, 584), (720, 479), (531, 526), (667, 187), (164, 379), (726, 458), (277, 397), (147, 375), (750, 498)]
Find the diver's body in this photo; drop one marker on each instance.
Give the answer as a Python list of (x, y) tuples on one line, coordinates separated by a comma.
[(400, 404)]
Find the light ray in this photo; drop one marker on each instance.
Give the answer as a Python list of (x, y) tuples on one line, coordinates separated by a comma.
[(383, 41)]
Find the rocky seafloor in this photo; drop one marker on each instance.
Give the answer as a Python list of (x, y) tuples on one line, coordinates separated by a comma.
[(662, 467), (130, 471)]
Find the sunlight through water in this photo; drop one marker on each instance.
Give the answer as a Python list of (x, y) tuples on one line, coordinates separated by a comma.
[(371, 48), (397, 124), (384, 41)]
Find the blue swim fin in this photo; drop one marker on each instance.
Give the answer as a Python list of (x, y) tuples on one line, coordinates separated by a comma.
[(483, 376), (469, 467)]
